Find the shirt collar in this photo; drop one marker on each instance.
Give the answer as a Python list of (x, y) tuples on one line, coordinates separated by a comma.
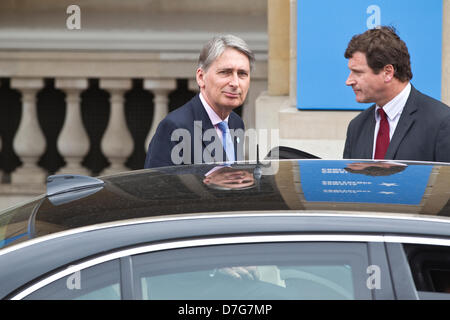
[(215, 119), (396, 105)]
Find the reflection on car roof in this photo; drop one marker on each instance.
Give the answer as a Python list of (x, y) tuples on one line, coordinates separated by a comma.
[(290, 185)]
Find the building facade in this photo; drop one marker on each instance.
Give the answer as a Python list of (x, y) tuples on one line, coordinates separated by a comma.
[(85, 83)]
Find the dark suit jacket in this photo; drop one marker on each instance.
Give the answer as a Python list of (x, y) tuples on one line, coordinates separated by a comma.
[(422, 133), (195, 120)]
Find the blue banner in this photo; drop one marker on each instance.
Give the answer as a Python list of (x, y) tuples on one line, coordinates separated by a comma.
[(325, 27), (364, 182)]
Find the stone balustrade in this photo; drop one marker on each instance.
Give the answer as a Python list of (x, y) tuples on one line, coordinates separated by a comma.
[(73, 142), (85, 82), (29, 141)]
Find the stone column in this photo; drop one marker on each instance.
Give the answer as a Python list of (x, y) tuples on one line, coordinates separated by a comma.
[(29, 142), (73, 141), (278, 16), (193, 85), (293, 54), (117, 143), (160, 89)]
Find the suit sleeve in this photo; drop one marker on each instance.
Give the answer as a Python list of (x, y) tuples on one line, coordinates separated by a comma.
[(443, 141), (348, 146), (161, 146)]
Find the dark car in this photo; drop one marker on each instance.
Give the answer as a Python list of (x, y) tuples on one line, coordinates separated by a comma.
[(281, 229)]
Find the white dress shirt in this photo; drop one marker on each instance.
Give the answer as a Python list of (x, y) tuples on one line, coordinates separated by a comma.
[(393, 110), (215, 119)]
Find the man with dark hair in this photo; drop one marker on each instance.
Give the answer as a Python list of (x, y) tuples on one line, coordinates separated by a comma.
[(205, 129), (403, 123), (375, 169)]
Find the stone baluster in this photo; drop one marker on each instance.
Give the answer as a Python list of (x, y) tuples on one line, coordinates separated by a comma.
[(29, 142), (193, 85), (160, 89), (117, 143), (73, 141)]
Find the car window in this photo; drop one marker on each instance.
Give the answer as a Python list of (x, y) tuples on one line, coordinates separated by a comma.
[(254, 271), (99, 282), (430, 268)]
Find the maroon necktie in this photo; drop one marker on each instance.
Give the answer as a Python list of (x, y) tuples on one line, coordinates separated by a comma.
[(383, 136)]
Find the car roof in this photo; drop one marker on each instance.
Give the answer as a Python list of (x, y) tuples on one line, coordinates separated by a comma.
[(350, 186)]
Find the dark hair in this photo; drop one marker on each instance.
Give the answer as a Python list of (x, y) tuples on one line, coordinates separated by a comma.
[(377, 171), (382, 46)]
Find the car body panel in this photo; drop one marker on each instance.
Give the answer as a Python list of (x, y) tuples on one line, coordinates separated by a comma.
[(283, 186)]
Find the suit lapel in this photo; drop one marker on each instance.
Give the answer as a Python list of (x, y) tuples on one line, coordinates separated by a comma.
[(235, 124), (367, 135), (200, 114), (407, 119)]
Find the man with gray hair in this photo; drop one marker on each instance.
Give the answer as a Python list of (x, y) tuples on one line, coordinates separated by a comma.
[(206, 129)]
